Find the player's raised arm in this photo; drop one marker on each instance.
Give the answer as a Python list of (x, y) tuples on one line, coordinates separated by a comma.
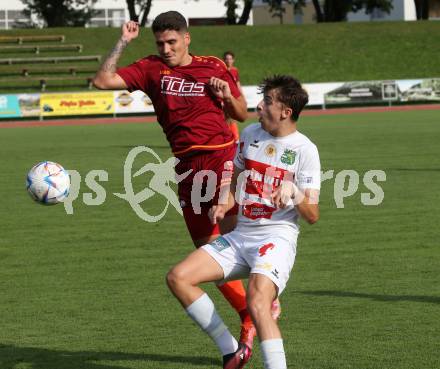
[(106, 77), (236, 108)]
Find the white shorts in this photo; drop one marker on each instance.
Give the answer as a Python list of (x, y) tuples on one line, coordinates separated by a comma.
[(239, 255)]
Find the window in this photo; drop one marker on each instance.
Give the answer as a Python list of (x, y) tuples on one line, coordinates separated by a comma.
[(99, 13), (108, 17), (13, 19)]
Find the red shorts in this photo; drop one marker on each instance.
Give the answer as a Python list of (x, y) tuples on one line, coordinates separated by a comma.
[(196, 215)]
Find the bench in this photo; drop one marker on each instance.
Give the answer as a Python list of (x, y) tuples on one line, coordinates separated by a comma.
[(21, 39), (51, 70), (37, 48), (44, 80), (72, 70), (50, 59)]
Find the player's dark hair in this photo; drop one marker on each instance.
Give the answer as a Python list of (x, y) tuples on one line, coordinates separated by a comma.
[(169, 21), (226, 53), (289, 92)]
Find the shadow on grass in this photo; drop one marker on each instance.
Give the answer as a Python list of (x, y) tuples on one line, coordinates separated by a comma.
[(40, 358), (383, 298)]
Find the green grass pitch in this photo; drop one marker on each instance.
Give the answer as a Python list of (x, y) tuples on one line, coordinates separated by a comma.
[(87, 291)]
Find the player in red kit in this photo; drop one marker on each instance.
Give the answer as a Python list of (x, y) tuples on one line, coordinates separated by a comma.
[(229, 59), (191, 95)]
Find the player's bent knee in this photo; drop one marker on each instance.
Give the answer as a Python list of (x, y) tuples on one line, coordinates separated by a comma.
[(258, 305), (176, 278), (170, 280)]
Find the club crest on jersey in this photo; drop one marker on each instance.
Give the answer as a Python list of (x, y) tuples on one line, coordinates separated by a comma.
[(288, 157), (270, 150)]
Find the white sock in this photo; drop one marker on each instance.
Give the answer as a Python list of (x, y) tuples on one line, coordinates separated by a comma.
[(203, 312), (273, 354)]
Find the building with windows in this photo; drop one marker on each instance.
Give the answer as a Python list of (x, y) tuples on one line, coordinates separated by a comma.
[(402, 10), (12, 18), (109, 17), (113, 13), (110, 13)]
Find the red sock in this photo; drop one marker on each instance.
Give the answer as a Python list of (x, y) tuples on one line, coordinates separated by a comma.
[(235, 293)]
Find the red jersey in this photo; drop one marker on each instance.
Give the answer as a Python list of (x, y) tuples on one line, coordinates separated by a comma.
[(234, 72), (191, 116)]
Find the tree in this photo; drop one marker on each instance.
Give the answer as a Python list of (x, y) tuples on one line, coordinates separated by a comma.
[(278, 8), (144, 7), (422, 9), (246, 12), (337, 10), (318, 11), (61, 13), (231, 7), (331, 10)]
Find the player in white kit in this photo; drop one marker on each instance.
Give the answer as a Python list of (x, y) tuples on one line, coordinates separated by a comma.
[(276, 180)]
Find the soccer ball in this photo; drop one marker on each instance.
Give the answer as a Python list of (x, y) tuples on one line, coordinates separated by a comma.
[(48, 183)]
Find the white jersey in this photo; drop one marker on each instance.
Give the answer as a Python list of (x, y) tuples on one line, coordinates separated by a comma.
[(266, 160)]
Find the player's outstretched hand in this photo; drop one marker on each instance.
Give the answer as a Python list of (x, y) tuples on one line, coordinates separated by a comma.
[(283, 194), (130, 30), (217, 213), (220, 88)]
